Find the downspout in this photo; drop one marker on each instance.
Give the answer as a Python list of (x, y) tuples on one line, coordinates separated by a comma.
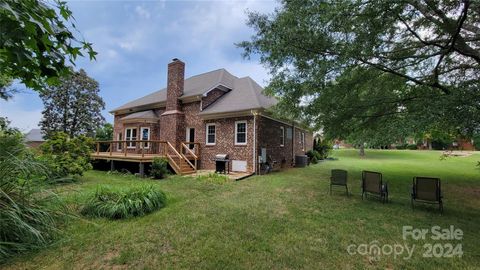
[(293, 143), (254, 141)]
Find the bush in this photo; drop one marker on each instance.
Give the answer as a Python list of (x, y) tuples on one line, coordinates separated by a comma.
[(323, 147), (66, 156), (314, 156), (27, 221), (159, 168), (440, 144), (124, 203), (412, 147), (401, 146)]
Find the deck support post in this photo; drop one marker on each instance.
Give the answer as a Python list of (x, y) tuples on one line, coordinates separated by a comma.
[(112, 165), (141, 167)]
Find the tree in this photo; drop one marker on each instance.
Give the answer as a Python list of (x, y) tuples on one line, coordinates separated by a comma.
[(374, 69), (74, 106), (66, 156), (104, 133), (36, 43), (5, 91)]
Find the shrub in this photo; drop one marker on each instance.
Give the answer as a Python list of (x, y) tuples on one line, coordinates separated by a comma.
[(314, 156), (66, 156), (213, 178), (27, 220), (476, 141), (159, 168), (412, 147), (401, 146), (124, 203), (323, 147)]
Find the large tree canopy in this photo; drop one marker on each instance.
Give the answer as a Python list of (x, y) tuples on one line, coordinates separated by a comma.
[(36, 41), (73, 107), (364, 67)]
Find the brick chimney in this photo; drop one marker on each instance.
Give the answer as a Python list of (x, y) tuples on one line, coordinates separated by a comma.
[(172, 121), (176, 78)]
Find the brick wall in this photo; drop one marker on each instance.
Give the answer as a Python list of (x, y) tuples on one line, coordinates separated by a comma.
[(175, 83), (120, 126), (172, 128), (269, 137), (225, 142), (211, 97), (225, 137)]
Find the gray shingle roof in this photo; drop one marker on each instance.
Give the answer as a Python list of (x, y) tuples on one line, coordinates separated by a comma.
[(34, 135), (141, 115), (245, 93), (195, 85)]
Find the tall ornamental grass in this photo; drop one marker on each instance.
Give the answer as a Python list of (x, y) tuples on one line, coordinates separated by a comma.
[(120, 203), (27, 219)]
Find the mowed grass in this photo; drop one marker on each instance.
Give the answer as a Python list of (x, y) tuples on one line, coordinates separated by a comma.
[(284, 220)]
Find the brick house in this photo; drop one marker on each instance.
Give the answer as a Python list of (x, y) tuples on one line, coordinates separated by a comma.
[(201, 116)]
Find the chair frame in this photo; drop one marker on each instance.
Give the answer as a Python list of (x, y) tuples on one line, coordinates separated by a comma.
[(340, 185), (439, 195), (383, 188)]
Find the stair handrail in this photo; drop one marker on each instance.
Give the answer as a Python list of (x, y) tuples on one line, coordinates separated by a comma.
[(176, 154), (186, 159), (174, 150)]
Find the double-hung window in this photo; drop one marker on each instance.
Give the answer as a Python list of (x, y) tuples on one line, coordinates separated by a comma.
[(241, 132), (131, 135), (282, 136), (145, 136), (211, 134)]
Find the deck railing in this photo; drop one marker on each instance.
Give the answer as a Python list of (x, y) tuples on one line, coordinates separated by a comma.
[(138, 147), (148, 149)]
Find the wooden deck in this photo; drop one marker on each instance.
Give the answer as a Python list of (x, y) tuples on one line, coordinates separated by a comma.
[(183, 161), (130, 157)]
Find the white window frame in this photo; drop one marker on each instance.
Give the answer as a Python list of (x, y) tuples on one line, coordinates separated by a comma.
[(214, 134), (147, 144), (236, 132), (129, 144), (282, 136)]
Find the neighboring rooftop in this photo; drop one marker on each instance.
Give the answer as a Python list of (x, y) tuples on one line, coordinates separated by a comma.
[(35, 135), (245, 93)]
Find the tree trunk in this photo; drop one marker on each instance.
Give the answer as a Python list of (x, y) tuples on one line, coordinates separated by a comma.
[(362, 150)]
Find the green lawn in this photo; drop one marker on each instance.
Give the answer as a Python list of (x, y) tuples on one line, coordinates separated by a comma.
[(284, 220)]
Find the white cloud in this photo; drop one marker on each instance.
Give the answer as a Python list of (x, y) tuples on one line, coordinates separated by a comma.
[(142, 12), (211, 25)]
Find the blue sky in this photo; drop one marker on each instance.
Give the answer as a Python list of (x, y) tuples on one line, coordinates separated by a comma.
[(135, 40)]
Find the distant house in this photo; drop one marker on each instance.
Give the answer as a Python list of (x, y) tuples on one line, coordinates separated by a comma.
[(34, 138), (192, 120)]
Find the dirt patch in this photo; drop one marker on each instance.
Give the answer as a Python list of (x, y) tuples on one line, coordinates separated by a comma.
[(457, 153)]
